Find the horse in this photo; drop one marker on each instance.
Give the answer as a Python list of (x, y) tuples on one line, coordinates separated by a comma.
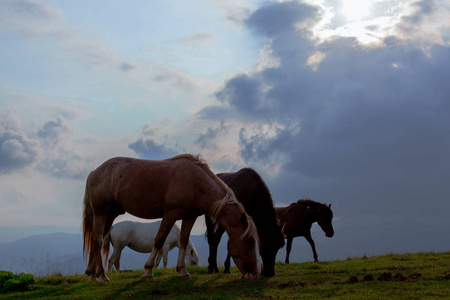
[(182, 187), (140, 237), (251, 190), (297, 219)]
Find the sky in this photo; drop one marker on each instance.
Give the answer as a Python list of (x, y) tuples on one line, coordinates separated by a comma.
[(344, 102)]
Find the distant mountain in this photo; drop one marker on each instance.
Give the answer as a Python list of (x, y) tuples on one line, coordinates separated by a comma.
[(14, 233), (46, 254)]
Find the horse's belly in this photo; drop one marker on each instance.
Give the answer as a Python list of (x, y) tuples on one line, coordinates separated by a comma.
[(142, 208), (142, 248), (154, 213)]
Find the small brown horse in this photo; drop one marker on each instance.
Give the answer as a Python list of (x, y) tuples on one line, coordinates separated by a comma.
[(251, 190), (298, 218), (182, 187)]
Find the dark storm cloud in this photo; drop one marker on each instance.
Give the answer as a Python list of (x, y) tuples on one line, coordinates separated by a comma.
[(277, 19), (150, 149), (244, 93), (373, 123)]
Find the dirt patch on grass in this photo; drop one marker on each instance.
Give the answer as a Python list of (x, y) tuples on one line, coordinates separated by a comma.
[(291, 284), (158, 292), (258, 295), (386, 276)]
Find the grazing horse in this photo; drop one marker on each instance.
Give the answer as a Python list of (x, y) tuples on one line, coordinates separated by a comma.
[(253, 193), (182, 187), (298, 218), (140, 237)]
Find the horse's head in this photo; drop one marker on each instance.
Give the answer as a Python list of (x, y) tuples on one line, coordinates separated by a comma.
[(242, 247), (192, 258), (324, 218)]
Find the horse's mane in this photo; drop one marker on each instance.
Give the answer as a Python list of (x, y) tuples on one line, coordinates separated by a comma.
[(217, 207), (306, 202), (198, 159), (263, 191), (259, 202)]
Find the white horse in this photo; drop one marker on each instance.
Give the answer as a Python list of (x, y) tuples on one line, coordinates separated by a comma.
[(140, 237)]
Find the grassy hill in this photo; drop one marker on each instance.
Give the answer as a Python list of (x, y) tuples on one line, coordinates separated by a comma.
[(411, 276)]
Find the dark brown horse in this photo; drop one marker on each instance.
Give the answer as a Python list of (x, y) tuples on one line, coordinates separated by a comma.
[(298, 218), (182, 187), (253, 193)]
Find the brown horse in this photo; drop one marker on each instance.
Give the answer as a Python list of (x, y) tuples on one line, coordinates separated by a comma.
[(252, 192), (298, 218), (182, 187)]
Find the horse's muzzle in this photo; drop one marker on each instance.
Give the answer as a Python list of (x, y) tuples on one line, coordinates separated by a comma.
[(252, 276), (329, 234)]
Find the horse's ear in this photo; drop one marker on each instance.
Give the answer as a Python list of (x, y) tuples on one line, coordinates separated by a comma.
[(329, 205), (244, 220)]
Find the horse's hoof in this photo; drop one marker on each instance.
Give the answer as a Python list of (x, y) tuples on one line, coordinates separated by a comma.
[(213, 270), (103, 278), (148, 275), (92, 278), (186, 276)]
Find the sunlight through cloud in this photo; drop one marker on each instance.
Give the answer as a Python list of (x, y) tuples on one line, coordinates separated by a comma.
[(356, 10)]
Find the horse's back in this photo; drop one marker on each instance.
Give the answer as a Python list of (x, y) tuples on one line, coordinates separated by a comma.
[(141, 187), (121, 233)]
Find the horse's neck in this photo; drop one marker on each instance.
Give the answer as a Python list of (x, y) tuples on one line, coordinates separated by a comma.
[(230, 218), (281, 214), (311, 211)]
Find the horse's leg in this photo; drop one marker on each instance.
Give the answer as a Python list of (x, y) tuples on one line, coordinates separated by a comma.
[(288, 248), (227, 264), (213, 242), (163, 232), (96, 255), (115, 258), (90, 270), (165, 255), (186, 227), (313, 246), (212, 261), (158, 259), (109, 220)]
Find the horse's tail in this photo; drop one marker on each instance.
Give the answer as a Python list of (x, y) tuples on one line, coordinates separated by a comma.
[(88, 223), (105, 247)]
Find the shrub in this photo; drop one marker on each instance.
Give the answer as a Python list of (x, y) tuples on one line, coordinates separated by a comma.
[(15, 283), (5, 276)]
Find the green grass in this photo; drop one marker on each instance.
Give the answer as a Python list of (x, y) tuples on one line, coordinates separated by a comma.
[(413, 276)]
